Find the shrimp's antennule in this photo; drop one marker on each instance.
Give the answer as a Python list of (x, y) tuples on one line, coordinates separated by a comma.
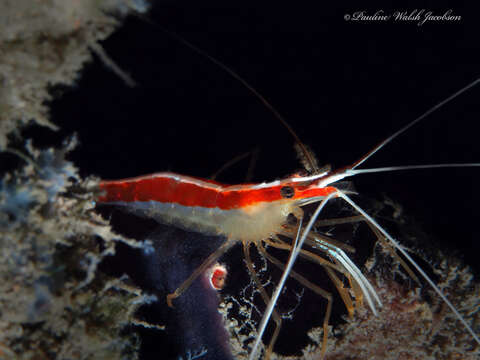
[(307, 155)]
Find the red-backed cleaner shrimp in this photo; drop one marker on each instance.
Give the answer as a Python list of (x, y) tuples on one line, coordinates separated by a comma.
[(259, 213)]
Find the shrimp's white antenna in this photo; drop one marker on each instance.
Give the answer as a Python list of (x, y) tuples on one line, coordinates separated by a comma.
[(352, 172), (409, 125), (409, 258)]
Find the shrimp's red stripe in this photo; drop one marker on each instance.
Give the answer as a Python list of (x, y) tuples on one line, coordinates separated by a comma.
[(166, 189), (189, 191)]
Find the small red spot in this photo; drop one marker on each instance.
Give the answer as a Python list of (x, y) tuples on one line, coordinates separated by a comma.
[(217, 276)]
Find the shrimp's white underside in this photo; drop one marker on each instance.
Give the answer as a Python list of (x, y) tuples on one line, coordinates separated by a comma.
[(248, 224)]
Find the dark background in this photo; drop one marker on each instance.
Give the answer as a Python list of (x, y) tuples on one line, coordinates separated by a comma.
[(343, 86)]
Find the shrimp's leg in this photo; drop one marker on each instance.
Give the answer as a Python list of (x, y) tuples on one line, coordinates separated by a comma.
[(349, 269), (265, 297), (378, 234), (311, 240), (199, 270), (295, 250), (347, 299), (279, 244), (338, 221), (318, 290), (344, 292)]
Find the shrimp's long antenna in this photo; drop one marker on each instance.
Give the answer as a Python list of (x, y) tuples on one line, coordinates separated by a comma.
[(409, 258), (308, 154), (409, 125), (345, 172), (352, 172)]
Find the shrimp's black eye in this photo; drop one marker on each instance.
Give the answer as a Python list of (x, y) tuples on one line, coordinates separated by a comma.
[(287, 192)]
